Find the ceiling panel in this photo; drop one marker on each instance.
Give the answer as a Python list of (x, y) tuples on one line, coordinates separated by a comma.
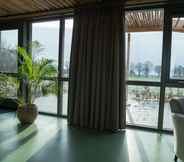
[(20, 7)]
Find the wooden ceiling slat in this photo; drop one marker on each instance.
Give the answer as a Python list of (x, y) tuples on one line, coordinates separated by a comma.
[(62, 3), (42, 5), (31, 4), (51, 3), (56, 4), (70, 2), (3, 10), (9, 7), (21, 6)]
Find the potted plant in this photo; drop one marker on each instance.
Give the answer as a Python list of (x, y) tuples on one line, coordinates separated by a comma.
[(31, 74), (29, 82)]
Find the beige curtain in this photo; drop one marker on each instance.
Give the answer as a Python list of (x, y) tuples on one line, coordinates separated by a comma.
[(97, 69)]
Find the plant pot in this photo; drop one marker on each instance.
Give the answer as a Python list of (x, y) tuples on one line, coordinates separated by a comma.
[(27, 114)]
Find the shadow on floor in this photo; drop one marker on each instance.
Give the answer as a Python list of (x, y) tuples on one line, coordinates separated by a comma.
[(74, 145)]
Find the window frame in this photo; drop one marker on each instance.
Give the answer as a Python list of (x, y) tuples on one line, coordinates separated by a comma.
[(150, 83), (172, 81), (59, 79), (19, 27), (170, 11)]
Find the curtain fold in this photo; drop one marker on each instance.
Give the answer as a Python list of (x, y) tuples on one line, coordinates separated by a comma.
[(97, 69)]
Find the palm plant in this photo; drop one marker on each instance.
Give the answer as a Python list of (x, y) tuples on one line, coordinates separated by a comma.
[(30, 82), (32, 73)]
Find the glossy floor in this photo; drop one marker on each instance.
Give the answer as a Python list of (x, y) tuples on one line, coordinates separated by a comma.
[(51, 140)]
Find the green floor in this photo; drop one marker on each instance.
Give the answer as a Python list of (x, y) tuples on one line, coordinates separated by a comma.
[(50, 140)]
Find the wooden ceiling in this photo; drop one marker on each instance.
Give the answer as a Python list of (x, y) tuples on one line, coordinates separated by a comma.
[(22, 7)]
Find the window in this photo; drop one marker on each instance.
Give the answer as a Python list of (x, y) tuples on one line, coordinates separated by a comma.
[(177, 56), (47, 100), (8, 86), (67, 47), (45, 37), (169, 94), (176, 74), (66, 63), (145, 51), (8, 51), (143, 105), (144, 38), (144, 45), (8, 63), (65, 98)]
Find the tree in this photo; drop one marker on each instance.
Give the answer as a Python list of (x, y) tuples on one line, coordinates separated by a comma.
[(139, 67), (157, 70), (132, 69), (147, 68), (178, 71), (8, 61)]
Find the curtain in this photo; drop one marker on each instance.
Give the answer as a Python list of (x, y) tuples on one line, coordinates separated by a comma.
[(97, 69)]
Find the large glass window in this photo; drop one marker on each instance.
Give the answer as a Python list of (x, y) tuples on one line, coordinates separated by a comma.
[(45, 37), (8, 51), (144, 44), (46, 40), (144, 36)]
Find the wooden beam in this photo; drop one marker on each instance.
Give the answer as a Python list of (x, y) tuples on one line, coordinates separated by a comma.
[(58, 12)]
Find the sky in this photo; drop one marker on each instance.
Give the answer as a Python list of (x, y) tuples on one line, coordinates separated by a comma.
[(54, 24), (47, 33), (147, 46)]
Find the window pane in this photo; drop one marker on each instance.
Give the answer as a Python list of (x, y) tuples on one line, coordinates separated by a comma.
[(8, 51), (45, 36), (46, 98), (177, 57), (143, 105), (67, 46), (169, 94), (144, 45), (65, 98), (8, 87)]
